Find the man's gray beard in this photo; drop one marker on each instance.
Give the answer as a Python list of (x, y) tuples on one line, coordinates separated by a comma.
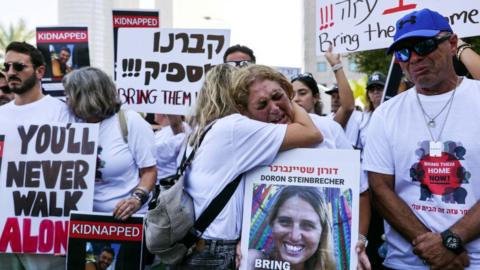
[(28, 84)]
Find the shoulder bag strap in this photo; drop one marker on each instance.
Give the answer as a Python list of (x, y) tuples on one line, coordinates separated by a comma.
[(187, 160), (217, 205), (211, 212), (123, 125)]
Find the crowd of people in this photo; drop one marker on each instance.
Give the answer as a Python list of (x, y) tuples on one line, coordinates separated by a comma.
[(418, 151)]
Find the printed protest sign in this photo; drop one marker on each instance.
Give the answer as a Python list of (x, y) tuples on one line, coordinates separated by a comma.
[(98, 241), (352, 26), (47, 170), (302, 211), (131, 19), (162, 70), (64, 49)]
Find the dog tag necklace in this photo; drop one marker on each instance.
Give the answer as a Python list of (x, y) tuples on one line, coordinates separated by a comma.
[(435, 145), (431, 120)]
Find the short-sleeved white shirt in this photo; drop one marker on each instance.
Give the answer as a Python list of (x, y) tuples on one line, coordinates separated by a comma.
[(235, 144), (118, 163), (46, 109), (167, 148), (333, 134)]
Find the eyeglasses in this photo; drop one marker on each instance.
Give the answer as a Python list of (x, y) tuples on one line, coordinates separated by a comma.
[(302, 75), (421, 48), (241, 63), (18, 67), (5, 89)]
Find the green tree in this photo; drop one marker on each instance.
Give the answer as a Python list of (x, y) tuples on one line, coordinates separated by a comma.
[(370, 61), (14, 32)]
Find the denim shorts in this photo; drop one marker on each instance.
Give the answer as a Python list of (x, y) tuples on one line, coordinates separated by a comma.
[(214, 255)]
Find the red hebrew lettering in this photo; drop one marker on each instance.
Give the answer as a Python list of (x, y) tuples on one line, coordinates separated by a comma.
[(399, 8)]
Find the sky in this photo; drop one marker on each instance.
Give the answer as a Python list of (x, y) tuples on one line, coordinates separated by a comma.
[(38, 13), (272, 28)]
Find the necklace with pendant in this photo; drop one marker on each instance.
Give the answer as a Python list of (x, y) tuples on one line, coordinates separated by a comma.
[(436, 146), (430, 121)]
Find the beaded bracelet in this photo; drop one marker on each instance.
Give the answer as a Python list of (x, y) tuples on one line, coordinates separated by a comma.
[(337, 67), (461, 48)]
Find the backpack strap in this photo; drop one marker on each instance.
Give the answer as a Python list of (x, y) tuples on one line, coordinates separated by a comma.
[(123, 125)]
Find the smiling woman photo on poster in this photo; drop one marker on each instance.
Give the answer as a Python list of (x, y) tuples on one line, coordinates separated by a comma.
[(302, 239)]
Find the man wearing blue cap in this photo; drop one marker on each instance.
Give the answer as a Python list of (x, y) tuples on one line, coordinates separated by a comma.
[(423, 156)]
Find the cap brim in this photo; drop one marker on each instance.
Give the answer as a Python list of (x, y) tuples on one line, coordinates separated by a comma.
[(375, 83), (418, 33), (330, 92)]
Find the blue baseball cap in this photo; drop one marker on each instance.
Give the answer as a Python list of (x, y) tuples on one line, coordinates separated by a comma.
[(424, 23)]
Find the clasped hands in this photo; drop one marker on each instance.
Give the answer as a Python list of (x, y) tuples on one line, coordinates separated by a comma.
[(430, 249)]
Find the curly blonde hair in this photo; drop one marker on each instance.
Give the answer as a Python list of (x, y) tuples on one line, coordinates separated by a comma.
[(214, 99)]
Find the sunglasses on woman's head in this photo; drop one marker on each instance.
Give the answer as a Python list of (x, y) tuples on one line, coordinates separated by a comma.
[(422, 48), (18, 67), (303, 75)]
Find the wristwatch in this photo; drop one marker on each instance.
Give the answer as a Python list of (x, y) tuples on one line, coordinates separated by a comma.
[(452, 241)]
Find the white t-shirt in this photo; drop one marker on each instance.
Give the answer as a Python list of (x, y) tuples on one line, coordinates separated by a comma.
[(235, 144), (352, 130), (167, 148), (360, 144), (356, 133), (118, 163), (333, 134), (398, 144), (46, 109)]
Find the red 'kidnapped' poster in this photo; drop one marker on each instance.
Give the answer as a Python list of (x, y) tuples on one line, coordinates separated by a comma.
[(64, 49)]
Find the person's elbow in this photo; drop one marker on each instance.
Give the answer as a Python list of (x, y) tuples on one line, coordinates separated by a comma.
[(314, 136), (349, 109), (318, 136), (301, 136)]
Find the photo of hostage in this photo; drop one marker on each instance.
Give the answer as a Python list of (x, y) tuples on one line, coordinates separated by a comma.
[(59, 65), (104, 260), (302, 239)]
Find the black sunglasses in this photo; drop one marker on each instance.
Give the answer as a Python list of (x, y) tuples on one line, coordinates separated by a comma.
[(302, 75), (241, 63), (5, 89), (421, 48), (18, 67)]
